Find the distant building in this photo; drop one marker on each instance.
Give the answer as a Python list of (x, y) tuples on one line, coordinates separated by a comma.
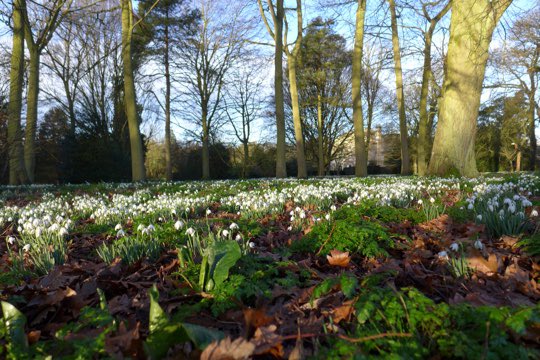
[(376, 152)]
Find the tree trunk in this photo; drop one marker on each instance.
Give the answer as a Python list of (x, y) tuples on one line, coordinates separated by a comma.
[(205, 144), (246, 160), (168, 161), (281, 169), (17, 171), (299, 137), (137, 152), (405, 158), (471, 29), (358, 117), (320, 136), (424, 128), (31, 113), (532, 122)]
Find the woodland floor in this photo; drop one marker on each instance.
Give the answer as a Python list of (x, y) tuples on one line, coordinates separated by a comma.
[(386, 290)]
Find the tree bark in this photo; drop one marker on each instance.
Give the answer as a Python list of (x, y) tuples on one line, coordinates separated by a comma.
[(168, 160), (299, 137), (320, 135), (137, 152), (358, 116), (205, 143), (424, 128), (31, 112), (281, 169), (17, 171), (532, 121), (246, 160), (405, 158), (471, 30)]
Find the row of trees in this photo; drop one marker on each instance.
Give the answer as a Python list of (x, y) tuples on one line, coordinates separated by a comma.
[(103, 67)]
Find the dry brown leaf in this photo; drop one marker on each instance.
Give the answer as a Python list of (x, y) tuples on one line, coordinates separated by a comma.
[(490, 265), (338, 258), (228, 350), (343, 312)]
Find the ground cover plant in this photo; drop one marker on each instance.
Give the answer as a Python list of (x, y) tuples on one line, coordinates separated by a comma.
[(323, 268)]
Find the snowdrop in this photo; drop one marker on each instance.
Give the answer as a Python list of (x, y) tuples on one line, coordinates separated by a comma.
[(454, 246), (478, 245), (26, 247), (179, 225)]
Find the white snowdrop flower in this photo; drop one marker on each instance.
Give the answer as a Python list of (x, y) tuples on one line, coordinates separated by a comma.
[(233, 226), (454, 246), (188, 209), (63, 231), (302, 215), (10, 219), (151, 228), (333, 207), (53, 228), (289, 228), (19, 229), (118, 227), (238, 237), (173, 211), (120, 233), (443, 255), (190, 231), (141, 227), (11, 240), (431, 200), (291, 213), (251, 244), (479, 217), (179, 224), (37, 232), (461, 208), (526, 203), (145, 231), (26, 247), (208, 211), (160, 219), (327, 217), (225, 233), (507, 201), (478, 245), (534, 213), (512, 208), (470, 206), (420, 202)]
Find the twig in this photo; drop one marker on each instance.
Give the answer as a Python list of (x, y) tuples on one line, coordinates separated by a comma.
[(327, 240), (374, 337)]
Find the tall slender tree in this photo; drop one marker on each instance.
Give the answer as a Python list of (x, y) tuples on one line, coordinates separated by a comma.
[(400, 94), (49, 16), (277, 14), (130, 100), (358, 116), (424, 128), (17, 171), (167, 21)]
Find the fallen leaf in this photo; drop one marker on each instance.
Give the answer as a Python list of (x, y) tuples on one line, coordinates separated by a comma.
[(343, 312), (338, 258), (228, 350)]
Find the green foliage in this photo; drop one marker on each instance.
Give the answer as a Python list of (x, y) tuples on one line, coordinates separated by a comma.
[(218, 258), (12, 329), (461, 332), (130, 249), (531, 244), (165, 333), (347, 283), (390, 214), (348, 232), (254, 278)]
